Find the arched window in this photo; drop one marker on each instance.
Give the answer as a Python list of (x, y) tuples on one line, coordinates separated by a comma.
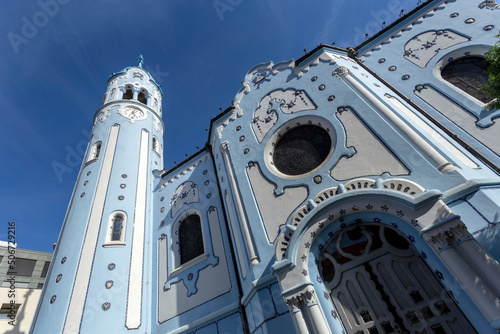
[(142, 98), (468, 74), (190, 238), (115, 235), (129, 94), (156, 145), (94, 152)]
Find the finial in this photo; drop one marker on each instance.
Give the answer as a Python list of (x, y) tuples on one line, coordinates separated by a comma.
[(141, 61)]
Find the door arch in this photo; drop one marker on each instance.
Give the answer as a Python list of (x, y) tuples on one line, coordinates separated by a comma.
[(378, 283)]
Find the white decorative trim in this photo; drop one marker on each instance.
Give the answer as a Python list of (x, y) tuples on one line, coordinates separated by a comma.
[(80, 287), (134, 297), (341, 71)]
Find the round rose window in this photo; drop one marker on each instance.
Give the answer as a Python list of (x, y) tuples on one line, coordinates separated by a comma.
[(301, 150)]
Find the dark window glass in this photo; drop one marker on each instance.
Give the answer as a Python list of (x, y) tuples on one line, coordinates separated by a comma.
[(22, 267), (301, 150), (117, 229), (468, 74), (190, 238), (45, 269)]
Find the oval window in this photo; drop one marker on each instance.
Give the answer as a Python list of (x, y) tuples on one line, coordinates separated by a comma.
[(302, 149)]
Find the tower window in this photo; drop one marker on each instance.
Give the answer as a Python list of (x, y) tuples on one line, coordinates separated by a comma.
[(94, 152), (142, 98), (468, 74), (115, 235), (190, 238), (129, 94), (156, 145)]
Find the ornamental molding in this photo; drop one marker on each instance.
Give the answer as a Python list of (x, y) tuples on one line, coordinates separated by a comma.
[(417, 20), (341, 72), (490, 4), (301, 300)]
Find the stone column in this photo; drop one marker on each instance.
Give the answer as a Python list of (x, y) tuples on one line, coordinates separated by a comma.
[(294, 305), (253, 258), (430, 152), (315, 314), (443, 240), (469, 246)]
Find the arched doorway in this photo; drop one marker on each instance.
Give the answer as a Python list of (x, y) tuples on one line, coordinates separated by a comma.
[(379, 284)]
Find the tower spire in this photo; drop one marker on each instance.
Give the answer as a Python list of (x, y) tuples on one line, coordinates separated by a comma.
[(141, 61)]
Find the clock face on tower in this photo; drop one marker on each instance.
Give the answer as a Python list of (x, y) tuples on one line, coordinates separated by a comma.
[(132, 113)]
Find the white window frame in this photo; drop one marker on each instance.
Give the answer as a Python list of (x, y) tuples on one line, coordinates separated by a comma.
[(109, 231)]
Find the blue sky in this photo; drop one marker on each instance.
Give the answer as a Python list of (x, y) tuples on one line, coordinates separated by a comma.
[(58, 54)]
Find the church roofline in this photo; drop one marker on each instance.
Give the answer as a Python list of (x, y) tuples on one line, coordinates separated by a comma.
[(364, 46)]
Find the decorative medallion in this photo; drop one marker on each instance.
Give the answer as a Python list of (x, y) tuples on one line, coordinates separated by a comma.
[(238, 128), (392, 68), (317, 179), (341, 71), (63, 260), (488, 27), (109, 284), (82, 194), (104, 115), (58, 278), (85, 183), (162, 198), (205, 172), (133, 114), (123, 185), (209, 195), (470, 20), (121, 198), (405, 77), (106, 306), (124, 176), (381, 60), (111, 266), (207, 183), (314, 78), (242, 138), (246, 151), (331, 98), (89, 173), (453, 15), (321, 87), (53, 299)]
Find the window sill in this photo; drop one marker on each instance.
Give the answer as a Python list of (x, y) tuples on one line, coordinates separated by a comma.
[(114, 244), (189, 264)]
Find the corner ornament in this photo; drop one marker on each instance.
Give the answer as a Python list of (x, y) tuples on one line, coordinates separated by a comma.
[(341, 72)]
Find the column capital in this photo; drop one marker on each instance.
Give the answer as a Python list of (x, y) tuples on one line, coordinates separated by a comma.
[(341, 71)]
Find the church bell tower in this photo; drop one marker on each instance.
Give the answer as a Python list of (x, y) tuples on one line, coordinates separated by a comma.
[(100, 271)]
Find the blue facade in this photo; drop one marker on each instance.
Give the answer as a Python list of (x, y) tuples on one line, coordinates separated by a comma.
[(349, 191)]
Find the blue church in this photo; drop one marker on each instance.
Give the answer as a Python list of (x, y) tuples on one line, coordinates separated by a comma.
[(350, 191)]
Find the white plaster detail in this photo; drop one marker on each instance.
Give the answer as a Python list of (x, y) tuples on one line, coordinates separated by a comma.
[(112, 230), (490, 4), (423, 47), (341, 71), (287, 101), (80, 287), (274, 209), (404, 28), (156, 123), (307, 315), (239, 247), (372, 156), (433, 133), (404, 186), (104, 115), (183, 171), (134, 299), (184, 194), (253, 259)]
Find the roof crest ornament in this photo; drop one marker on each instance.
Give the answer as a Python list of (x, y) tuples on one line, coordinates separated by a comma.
[(140, 61)]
